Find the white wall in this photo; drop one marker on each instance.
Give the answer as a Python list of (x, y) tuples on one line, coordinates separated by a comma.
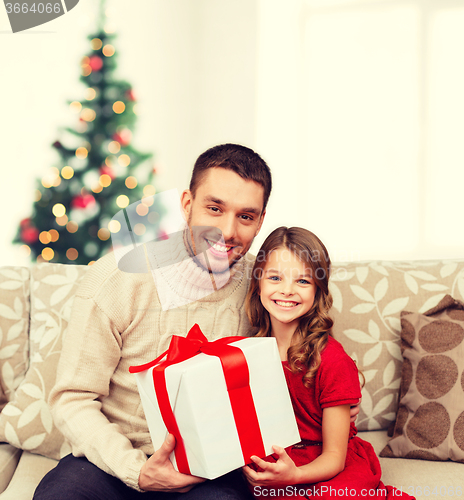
[(361, 109)]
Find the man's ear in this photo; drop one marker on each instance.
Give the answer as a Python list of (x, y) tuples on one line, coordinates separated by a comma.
[(186, 203), (260, 222)]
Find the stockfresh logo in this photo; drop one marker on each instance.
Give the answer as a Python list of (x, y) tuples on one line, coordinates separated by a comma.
[(26, 14)]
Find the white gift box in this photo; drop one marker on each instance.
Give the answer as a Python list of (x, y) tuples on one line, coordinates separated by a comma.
[(202, 408)]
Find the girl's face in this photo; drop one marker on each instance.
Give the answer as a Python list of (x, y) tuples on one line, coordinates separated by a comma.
[(287, 289)]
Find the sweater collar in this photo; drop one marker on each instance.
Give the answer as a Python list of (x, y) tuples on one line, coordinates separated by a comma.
[(181, 280)]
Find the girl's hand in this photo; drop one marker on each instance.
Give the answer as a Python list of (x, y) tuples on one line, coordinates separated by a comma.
[(283, 472)]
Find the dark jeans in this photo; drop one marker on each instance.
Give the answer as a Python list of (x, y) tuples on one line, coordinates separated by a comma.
[(77, 479)]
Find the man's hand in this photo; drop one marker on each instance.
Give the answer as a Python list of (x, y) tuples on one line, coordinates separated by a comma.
[(158, 474), (354, 411)]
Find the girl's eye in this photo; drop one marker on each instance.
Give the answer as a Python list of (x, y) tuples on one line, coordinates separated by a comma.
[(304, 282), (274, 278)]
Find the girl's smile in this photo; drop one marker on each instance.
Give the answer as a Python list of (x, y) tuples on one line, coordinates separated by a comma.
[(284, 304)]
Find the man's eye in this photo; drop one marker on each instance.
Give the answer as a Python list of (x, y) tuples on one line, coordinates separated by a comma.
[(214, 209), (246, 217)]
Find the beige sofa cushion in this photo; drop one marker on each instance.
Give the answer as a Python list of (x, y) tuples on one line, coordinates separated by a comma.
[(368, 299), (26, 421), (14, 329), (430, 420), (419, 478)]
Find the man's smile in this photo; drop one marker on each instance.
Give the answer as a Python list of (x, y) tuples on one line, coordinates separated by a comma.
[(222, 249)]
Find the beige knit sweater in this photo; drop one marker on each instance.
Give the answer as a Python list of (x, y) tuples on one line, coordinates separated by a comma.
[(117, 321)]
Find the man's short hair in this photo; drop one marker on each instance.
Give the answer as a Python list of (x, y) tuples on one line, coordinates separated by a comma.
[(240, 159)]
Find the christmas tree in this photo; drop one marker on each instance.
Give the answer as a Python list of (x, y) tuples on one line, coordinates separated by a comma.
[(99, 171)]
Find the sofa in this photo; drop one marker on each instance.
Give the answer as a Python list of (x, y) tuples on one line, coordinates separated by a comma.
[(371, 300)]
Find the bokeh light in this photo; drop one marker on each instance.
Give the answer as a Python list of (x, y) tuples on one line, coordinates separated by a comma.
[(114, 147), (122, 201), (67, 172), (142, 209), (109, 28), (103, 234), (58, 210), (105, 180), (149, 190), (119, 107), (91, 249), (90, 94), (51, 178), (125, 134), (81, 153), (124, 160), (131, 182), (45, 237), (88, 115), (72, 253), (54, 235), (140, 229), (72, 226), (75, 106), (108, 50), (114, 226), (25, 249), (48, 253), (148, 200), (96, 44), (62, 221)]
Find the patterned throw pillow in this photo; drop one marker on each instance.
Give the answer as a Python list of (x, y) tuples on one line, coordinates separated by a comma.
[(430, 419), (368, 299), (26, 421), (14, 329)]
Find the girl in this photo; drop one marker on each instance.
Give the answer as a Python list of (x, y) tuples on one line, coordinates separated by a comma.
[(289, 299)]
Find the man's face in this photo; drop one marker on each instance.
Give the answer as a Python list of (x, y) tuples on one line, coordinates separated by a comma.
[(224, 217)]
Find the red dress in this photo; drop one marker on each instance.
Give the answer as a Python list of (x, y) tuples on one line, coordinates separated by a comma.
[(336, 383)]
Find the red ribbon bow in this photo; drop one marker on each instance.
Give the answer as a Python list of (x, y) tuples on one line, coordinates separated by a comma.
[(237, 379)]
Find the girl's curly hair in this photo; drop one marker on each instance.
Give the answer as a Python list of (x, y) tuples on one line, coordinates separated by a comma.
[(314, 328)]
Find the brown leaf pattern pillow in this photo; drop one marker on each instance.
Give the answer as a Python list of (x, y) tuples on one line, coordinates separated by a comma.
[(26, 421), (368, 300), (430, 420)]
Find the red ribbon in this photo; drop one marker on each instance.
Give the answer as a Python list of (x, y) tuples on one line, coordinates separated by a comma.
[(237, 379)]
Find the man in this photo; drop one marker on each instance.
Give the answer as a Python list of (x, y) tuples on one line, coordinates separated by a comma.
[(118, 322)]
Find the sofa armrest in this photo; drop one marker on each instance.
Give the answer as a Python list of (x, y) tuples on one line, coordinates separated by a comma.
[(9, 458), (28, 474)]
